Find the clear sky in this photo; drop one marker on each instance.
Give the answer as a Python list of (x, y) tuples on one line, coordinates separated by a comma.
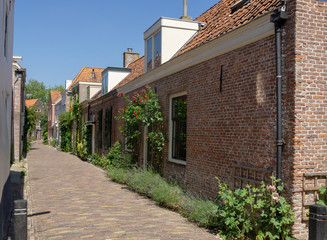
[(56, 38)]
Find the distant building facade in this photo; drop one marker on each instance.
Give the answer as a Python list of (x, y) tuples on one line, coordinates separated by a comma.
[(54, 98), (19, 78), (37, 106)]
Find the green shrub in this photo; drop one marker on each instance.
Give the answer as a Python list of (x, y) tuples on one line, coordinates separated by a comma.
[(65, 120), (166, 194), (81, 151), (201, 211), (118, 175), (45, 138), (322, 196), (54, 142), (250, 212)]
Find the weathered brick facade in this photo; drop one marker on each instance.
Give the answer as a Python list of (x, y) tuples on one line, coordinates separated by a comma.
[(19, 109), (231, 117), (305, 38)]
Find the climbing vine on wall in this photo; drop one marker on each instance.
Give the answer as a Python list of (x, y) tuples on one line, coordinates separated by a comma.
[(143, 110)]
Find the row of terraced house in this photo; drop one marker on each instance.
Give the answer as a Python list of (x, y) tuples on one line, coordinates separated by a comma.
[(252, 77)]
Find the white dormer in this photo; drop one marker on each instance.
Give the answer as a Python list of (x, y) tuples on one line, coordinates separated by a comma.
[(111, 76), (165, 38)]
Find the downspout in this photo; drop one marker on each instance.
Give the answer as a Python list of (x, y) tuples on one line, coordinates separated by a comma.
[(278, 18)]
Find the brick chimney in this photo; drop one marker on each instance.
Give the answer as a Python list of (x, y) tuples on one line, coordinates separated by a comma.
[(130, 57)]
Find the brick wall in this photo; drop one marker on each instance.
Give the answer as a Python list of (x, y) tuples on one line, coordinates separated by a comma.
[(18, 125), (234, 125), (310, 95), (237, 124)]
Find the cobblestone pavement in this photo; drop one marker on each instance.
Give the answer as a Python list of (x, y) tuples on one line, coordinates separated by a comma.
[(72, 199)]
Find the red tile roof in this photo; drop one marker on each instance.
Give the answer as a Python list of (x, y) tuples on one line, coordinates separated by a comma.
[(30, 103), (220, 20), (137, 70), (85, 76), (54, 96)]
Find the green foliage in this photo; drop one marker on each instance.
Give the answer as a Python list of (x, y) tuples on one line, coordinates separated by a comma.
[(83, 148), (65, 119), (54, 143), (143, 110), (118, 175), (96, 159), (31, 117), (322, 196), (76, 112), (45, 138), (37, 90), (115, 158), (166, 194), (87, 140), (44, 121), (250, 212)]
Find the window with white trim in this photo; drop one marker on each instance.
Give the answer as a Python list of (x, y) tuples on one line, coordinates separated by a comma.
[(153, 51), (177, 135)]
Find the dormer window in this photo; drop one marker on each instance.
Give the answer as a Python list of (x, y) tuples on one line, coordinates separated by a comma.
[(165, 38), (153, 54)]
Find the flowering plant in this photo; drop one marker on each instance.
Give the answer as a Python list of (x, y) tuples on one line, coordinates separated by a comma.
[(254, 213), (143, 110)]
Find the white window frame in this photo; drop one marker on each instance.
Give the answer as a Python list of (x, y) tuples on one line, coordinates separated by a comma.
[(153, 48), (170, 158)]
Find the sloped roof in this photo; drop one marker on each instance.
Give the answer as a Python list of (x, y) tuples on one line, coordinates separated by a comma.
[(137, 69), (220, 20), (30, 102), (54, 96), (85, 76)]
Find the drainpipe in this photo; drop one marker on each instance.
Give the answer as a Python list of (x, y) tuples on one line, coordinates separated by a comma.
[(278, 18)]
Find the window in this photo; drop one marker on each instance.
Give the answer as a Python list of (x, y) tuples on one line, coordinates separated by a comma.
[(6, 33), (153, 51), (178, 117), (99, 130), (107, 128), (149, 55), (157, 50), (104, 84)]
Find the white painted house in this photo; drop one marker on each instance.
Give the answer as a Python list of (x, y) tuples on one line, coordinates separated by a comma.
[(6, 58)]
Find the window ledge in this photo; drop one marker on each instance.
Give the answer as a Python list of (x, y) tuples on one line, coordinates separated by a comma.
[(181, 162)]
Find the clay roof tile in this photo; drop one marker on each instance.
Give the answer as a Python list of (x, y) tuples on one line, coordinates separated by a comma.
[(86, 75)]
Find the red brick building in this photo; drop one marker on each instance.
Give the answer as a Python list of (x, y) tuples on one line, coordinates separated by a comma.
[(225, 74)]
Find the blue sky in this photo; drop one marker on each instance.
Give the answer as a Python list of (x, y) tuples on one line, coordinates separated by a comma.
[(58, 37)]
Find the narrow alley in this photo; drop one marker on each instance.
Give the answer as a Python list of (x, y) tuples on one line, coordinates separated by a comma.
[(72, 199)]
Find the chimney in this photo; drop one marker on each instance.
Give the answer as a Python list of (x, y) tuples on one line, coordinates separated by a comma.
[(130, 57), (185, 17)]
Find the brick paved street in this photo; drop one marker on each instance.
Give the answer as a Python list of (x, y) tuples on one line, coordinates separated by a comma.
[(72, 199)]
